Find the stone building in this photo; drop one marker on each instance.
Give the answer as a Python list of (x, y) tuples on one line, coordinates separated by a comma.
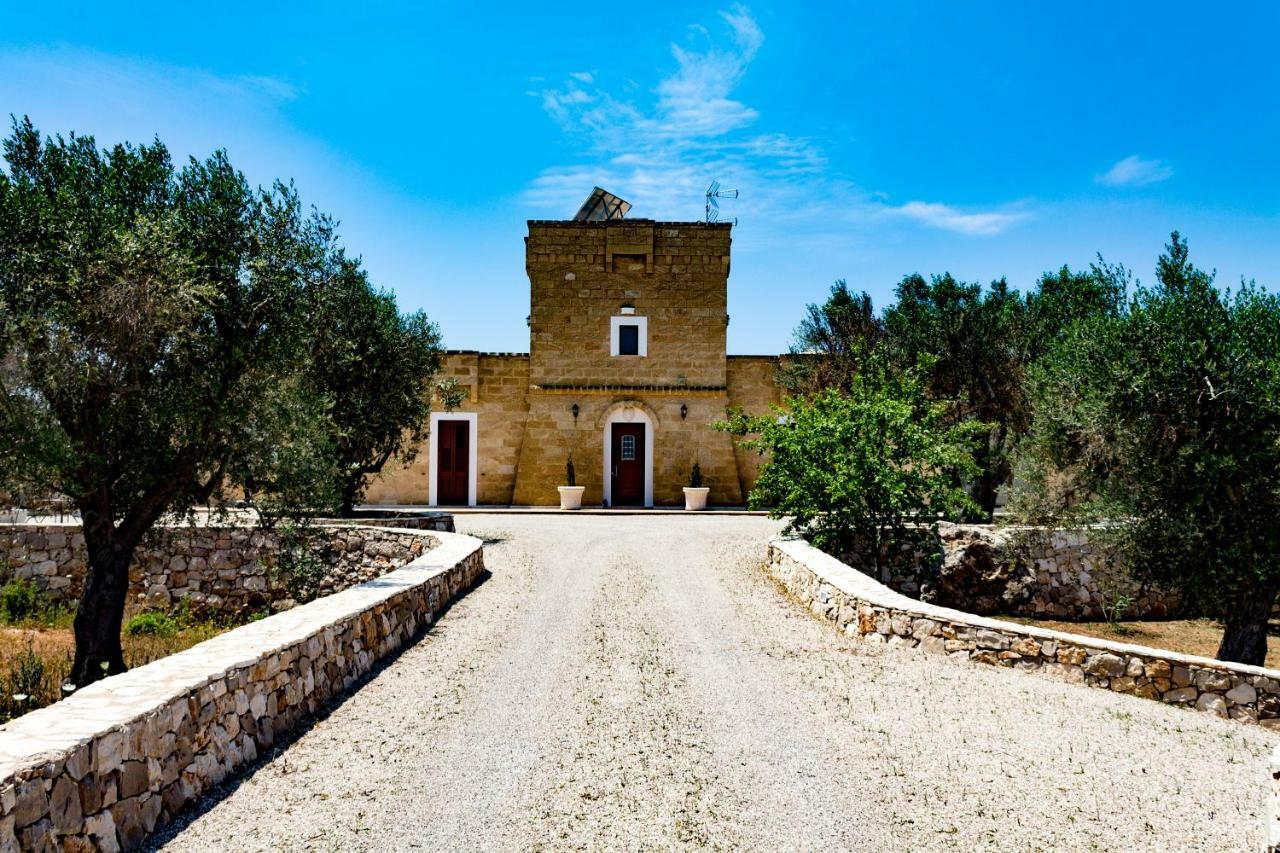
[(625, 374)]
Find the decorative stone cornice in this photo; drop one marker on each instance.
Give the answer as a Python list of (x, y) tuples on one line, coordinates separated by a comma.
[(659, 390)]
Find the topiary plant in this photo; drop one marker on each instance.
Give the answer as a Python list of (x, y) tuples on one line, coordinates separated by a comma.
[(695, 476), (570, 475)]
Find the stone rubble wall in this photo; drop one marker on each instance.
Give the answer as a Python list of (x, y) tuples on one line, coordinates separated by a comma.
[(1020, 571), (862, 607), (1075, 579), (105, 767), (219, 570)]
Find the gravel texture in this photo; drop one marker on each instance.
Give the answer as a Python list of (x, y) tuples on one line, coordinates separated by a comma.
[(638, 682)]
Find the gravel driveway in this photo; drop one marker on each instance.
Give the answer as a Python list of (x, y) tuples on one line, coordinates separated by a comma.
[(637, 682)]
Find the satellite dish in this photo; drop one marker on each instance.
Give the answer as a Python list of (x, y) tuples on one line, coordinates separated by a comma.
[(602, 205)]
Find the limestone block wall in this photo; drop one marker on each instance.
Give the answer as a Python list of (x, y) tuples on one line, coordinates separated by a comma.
[(552, 433), (105, 767), (862, 607), (673, 273), (525, 435), (497, 386), (226, 570), (753, 388)]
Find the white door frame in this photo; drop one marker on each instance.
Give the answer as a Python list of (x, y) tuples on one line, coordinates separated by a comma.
[(472, 434), (628, 415)]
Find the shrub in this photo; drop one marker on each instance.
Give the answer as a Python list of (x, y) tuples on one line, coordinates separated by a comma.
[(301, 565), (18, 600), (853, 467), (152, 623)]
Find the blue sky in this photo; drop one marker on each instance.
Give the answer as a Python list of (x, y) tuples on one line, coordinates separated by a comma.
[(869, 140)]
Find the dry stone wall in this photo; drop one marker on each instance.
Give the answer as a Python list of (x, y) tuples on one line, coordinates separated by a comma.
[(219, 570), (105, 767), (1021, 571), (862, 607)]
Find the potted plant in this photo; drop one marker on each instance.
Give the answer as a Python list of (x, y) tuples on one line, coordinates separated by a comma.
[(695, 494), (570, 495)]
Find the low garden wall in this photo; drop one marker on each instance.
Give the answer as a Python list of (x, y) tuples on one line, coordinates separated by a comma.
[(106, 766), (1024, 571), (220, 570), (861, 606)]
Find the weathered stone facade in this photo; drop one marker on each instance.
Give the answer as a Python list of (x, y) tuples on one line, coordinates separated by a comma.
[(105, 767), (219, 570), (862, 607), (533, 411)]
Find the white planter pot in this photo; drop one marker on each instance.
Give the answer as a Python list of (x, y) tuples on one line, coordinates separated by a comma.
[(695, 499), (571, 496)]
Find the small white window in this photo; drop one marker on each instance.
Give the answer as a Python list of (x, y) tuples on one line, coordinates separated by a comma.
[(629, 335), (628, 448)]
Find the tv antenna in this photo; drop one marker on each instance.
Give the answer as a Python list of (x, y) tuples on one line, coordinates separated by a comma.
[(714, 194)]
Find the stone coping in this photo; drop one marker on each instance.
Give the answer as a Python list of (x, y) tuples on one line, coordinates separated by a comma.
[(855, 583), (861, 606), (107, 765), (122, 698)]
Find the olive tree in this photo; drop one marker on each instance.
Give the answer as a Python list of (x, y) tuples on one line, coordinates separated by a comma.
[(972, 337), (981, 343), (831, 343), (1169, 414), (152, 329), (375, 368)]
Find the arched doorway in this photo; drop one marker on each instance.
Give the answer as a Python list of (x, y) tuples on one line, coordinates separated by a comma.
[(628, 455)]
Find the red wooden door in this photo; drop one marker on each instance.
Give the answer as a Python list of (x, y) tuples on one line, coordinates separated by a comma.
[(453, 458), (628, 465)]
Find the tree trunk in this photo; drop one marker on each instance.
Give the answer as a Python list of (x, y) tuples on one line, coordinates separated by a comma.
[(1244, 639), (993, 471), (101, 609), (986, 489), (350, 489)]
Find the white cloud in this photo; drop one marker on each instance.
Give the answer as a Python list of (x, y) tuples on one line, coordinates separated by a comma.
[(661, 153), (949, 218), (1133, 171)]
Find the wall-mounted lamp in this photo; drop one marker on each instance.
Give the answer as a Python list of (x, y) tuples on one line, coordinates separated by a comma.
[(575, 410), (684, 411)]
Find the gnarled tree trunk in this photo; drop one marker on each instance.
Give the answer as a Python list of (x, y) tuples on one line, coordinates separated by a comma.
[(1245, 638), (101, 609)]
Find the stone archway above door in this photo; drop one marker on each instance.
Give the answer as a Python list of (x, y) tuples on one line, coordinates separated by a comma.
[(618, 413)]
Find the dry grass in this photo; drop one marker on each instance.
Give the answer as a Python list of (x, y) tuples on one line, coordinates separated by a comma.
[(1189, 636), (35, 660)]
